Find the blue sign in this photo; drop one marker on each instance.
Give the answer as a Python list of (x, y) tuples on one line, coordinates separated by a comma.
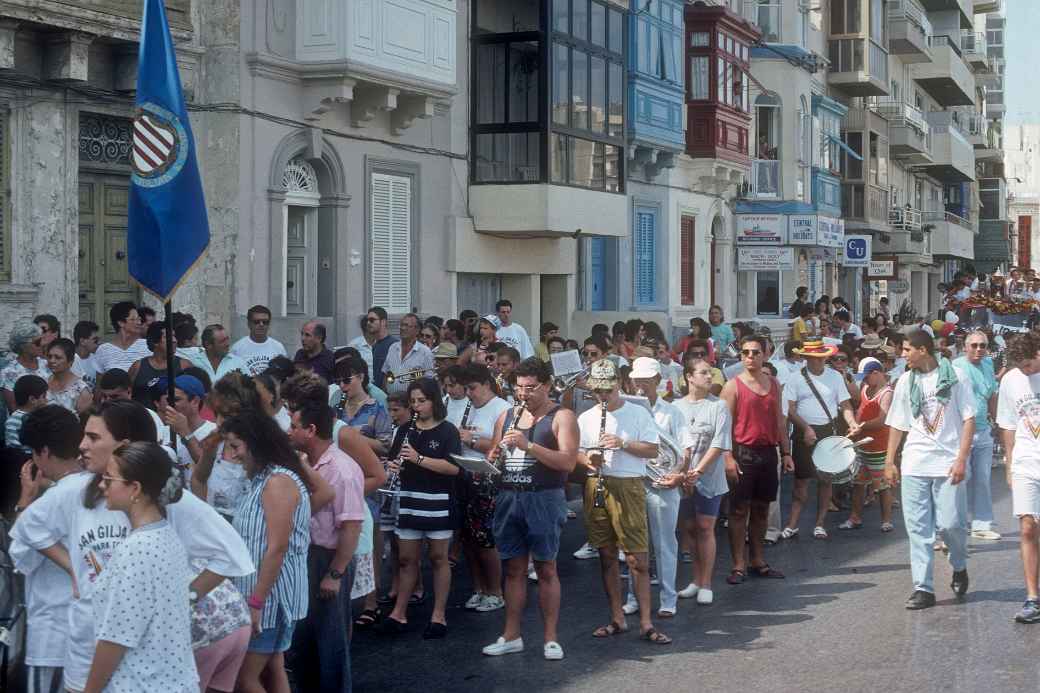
[(857, 251)]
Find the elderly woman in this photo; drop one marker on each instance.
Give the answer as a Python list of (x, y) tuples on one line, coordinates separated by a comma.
[(65, 387), (145, 372), (24, 342)]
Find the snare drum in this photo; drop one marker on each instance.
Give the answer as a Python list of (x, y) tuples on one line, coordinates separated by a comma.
[(836, 460)]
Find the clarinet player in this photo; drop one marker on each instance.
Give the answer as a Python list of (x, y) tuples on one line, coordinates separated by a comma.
[(617, 439)]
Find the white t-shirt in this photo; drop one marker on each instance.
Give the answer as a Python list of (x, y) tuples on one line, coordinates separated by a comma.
[(670, 373), (669, 419), (854, 330), (365, 349), (831, 388), (162, 430), (482, 419), (227, 483), (785, 369), (92, 535), (515, 336), (630, 422), (109, 356), (141, 603), (86, 368), (1018, 410), (709, 425), (933, 438), (456, 408), (257, 354)]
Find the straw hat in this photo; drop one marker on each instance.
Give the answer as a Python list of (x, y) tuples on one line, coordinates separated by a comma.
[(815, 348)]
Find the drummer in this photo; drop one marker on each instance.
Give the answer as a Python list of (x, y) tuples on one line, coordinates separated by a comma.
[(818, 404), (875, 399)]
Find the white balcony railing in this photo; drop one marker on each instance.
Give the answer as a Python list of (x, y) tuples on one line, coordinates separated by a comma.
[(948, 217), (765, 177), (905, 218), (900, 113), (973, 41), (943, 122), (911, 10)]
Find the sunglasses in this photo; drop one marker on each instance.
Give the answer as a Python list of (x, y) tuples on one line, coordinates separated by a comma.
[(976, 346), (750, 352), (839, 359)]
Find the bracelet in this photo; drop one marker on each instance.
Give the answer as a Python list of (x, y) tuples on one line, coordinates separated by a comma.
[(255, 603)]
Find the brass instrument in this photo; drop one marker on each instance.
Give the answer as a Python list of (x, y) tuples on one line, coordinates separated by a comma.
[(407, 376), (504, 386), (393, 478), (561, 384), (669, 460)]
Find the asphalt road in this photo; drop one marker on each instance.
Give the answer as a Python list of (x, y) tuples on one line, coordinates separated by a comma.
[(836, 623)]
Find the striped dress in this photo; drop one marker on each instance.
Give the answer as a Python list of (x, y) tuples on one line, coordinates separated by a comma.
[(290, 589)]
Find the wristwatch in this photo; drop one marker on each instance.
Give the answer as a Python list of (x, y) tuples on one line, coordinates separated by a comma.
[(419, 460), (193, 597), (335, 574)]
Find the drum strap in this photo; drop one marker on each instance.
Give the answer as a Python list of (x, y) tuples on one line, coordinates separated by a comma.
[(835, 423)]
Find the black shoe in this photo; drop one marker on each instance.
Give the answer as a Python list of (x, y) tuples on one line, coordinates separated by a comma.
[(391, 626), (435, 631), (920, 600), (959, 585)]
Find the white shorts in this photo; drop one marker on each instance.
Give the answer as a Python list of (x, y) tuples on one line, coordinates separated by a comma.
[(418, 534), (1025, 496)]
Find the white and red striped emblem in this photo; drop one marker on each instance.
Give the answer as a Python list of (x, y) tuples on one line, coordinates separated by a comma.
[(155, 145)]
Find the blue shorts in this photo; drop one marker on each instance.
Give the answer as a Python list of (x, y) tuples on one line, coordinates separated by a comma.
[(275, 639), (696, 504), (529, 522)]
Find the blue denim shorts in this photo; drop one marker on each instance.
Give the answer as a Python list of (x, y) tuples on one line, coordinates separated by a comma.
[(275, 639), (696, 504), (529, 522)]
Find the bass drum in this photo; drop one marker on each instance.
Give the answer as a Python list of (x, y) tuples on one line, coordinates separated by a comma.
[(835, 459)]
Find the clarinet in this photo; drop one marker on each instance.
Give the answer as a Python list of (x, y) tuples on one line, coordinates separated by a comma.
[(393, 479), (465, 414), (599, 497), (518, 413)]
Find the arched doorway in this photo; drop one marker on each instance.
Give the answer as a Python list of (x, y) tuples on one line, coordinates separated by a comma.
[(302, 200)]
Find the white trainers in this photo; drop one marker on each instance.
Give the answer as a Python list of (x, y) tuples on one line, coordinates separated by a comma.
[(532, 574), (586, 552), (491, 603), (502, 647), (630, 607), (705, 596), (552, 650), (620, 556), (987, 534), (689, 592), (474, 601)]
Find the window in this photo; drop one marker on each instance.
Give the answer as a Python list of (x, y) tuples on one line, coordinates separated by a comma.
[(877, 22), (687, 259), (804, 134), (829, 126), (602, 258), (699, 80), (769, 13), (390, 241), (644, 247), (767, 293), (846, 17), (854, 166), (5, 202)]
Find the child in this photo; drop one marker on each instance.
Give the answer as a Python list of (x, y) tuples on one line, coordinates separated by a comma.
[(30, 393)]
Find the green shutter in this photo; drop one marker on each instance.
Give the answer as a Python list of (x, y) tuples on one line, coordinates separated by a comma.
[(5, 199)]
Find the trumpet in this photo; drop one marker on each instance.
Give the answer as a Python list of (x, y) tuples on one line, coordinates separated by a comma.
[(407, 376), (561, 384)]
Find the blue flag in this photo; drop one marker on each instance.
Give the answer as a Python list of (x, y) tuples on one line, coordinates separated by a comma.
[(168, 228)]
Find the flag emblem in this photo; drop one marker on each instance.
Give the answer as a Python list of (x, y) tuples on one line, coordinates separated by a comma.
[(159, 152)]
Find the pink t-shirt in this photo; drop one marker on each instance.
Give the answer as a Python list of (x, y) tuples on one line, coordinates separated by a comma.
[(347, 480)]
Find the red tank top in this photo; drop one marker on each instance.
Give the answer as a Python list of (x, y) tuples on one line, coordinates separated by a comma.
[(754, 422), (870, 409)]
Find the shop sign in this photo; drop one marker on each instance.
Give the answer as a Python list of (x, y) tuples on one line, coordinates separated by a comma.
[(765, 259), (801, 230), (881, 268), (761, 229), (822, 255), (898, 286), (857, 251), (830, 232)]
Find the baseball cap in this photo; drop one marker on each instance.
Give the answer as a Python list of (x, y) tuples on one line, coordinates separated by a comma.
[(188, 384), (644, 367), (603, 375), (869, 365)]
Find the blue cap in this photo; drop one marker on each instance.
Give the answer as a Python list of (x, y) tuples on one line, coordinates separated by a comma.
[(188, 384)]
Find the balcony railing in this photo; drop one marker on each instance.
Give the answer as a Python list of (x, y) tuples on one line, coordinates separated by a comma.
[(900, 113), (911, 10), (943, 122), (765, 178), (865, 202), (939, 40), (949, 217), (878, 61), (905, 218), (973, 41)]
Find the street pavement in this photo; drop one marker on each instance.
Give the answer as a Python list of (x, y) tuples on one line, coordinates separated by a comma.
[(836, 623)]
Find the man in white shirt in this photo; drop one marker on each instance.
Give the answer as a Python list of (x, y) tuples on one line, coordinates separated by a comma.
[(85, 337), (1018, 416), (512, 333), (407, 356), (816, 396), (662, 501), (843, 320), (934, 406), (215, 357), (617, 438), (256, 348)]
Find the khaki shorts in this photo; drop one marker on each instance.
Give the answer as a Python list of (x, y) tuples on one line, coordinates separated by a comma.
[(623, 521)]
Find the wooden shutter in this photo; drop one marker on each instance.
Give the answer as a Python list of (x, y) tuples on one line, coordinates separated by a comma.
[(645, 258), (5, 200), (687, 244), (390, 240)]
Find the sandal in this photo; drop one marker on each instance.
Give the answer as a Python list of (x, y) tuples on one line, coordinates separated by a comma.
[(819, 533), (849, 524), (655, 636), (612, 628), (367, 619), (416, 599), (887, 527), (387, 600), (736, 577), (765, 571), (789, 533)]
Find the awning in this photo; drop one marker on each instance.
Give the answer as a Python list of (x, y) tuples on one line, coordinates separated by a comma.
[(848, 150)]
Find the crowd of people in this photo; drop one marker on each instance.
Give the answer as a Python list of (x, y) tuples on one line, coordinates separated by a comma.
[(243, 528)]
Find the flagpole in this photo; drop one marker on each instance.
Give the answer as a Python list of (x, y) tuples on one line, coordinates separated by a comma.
[(170, 358)]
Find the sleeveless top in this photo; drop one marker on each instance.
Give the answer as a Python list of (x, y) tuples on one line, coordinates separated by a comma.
[(754, 421), (870, 408), (289, 594), (147, 376), (524, 472)]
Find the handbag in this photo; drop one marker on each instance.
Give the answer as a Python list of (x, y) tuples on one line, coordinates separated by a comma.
[(217, 615), (838, 425)]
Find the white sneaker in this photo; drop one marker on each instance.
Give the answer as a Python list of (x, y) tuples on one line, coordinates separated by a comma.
[(689, 592), (474, 601), (586, 552), (501, 647), (705, 596), (630, 608), (491, 603), (987, 534), (552, 650), (620, 556), (532, 575)]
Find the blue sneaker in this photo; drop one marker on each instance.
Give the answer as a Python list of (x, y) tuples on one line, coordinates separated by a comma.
[(1030, 612)]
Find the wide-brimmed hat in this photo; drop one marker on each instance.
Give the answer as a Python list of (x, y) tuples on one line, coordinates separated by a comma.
[(815, 348), (644, 367), (603, 375), (446, 350)]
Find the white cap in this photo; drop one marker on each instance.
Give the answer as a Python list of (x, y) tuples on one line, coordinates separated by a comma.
[(644, 367), (870, 360)]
